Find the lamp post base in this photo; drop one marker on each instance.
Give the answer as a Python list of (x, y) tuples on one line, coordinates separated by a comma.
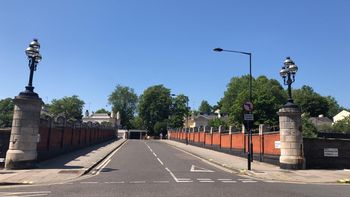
[(29, 92)]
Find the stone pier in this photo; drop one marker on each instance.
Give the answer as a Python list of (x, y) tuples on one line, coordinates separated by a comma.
[(22, 152), (291, 138)]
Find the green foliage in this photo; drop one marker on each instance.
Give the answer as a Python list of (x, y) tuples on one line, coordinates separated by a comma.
[(178, 111), (137, 123), (216, 122), (124, 100), (6, 112), (102, 110), (333, 107), (106, 124), (154, 106), (342, 126), (311, 102), (70, 107), (308, 129), (268, 97), (205, 107), (160, 127)]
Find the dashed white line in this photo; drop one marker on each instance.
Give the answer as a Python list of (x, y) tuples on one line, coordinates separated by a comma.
[(137, 182), (224, 179), (229, 181), (155, 154), (204, 179), (160, 181), (249, 181), (160, 161), (88, 182)]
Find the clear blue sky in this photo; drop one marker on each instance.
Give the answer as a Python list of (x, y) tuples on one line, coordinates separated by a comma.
[(89, 47)]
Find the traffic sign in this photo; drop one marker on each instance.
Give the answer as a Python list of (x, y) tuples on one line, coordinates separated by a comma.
[(248, 106), (248, 117)]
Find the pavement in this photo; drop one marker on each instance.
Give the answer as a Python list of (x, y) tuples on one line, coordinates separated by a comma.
[(264, 171), (63, 168)]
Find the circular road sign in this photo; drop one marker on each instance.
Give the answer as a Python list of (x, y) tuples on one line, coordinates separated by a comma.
[(248, 106)]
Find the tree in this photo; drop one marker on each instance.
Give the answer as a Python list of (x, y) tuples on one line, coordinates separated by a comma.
[(268, 97), (160, 128), (70, 107), (342, 126), (310, 102), (333, 107), (205, 107), (216, 122), (154, 106), (102, 110), (124, 100), (137, 123), (178, 111), (308, 129), (6, 112)]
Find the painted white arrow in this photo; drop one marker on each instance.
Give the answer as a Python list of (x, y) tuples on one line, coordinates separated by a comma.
[(199, 169)]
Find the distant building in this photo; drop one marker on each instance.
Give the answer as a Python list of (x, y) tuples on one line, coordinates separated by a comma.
[(101, 117), (202, 120), (341, 115), (321, 122)]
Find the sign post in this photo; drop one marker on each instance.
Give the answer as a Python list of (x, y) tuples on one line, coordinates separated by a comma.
[(248, 117)]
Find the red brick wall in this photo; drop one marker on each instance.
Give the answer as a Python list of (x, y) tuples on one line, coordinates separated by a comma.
[(264, 144)]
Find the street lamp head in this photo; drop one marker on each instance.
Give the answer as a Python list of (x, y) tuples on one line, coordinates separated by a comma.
[(293, 68), (31, 52), (284, 72), (38, 58), (35, 44), (288, 62), (218, 49)]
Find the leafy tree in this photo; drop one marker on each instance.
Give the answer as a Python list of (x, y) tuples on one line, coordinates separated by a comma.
[(333, 107), (205, 107), (268, 97), (216, 122), (124, 100), (308, 129), (154, 106), (70, 107), (6, 112), (102, 110), (310, 102), (137, 123), (178, 111), (160, 128), (342, 126)]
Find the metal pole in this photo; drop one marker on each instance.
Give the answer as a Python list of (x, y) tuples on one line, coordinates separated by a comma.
[(187, 122), (249, 156)]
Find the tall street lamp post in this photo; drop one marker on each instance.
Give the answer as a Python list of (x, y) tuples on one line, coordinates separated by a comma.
[(34, 58), (250, 144), (288, 72)]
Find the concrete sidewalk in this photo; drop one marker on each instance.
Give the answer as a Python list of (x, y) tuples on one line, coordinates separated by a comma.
[(63, 168), (262, 170)]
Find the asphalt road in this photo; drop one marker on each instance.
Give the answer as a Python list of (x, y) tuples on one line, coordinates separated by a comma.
[(152, 168)]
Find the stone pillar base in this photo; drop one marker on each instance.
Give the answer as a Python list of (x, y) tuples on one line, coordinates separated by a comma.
[(18, 159), (292, 162)]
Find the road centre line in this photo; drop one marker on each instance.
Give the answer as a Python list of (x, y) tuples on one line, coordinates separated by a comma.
[(204, 179), (137, 182), (172, 175), (229, 181), (160, 161), (88, 182), (160, 181), (224, 179), (249, 181), (154, 154)]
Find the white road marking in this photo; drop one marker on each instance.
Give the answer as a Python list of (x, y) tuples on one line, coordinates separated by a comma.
[(160, 181), (185, 181), (154, 154), (229, 181), (199, 169), (160, 161), (244, 179), (28, 194), (117, 182), (103, 166), (172, 174), (249, 181), (224, 179), (204, 179), (137, 182), (88, 182)]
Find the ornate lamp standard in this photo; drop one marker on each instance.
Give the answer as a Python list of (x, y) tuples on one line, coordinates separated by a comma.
[(290, 123), (34, 58), (250, 144), (22, 152), (288, 74)]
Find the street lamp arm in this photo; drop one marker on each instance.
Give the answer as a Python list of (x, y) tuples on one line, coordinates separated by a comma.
[(232, 51)]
